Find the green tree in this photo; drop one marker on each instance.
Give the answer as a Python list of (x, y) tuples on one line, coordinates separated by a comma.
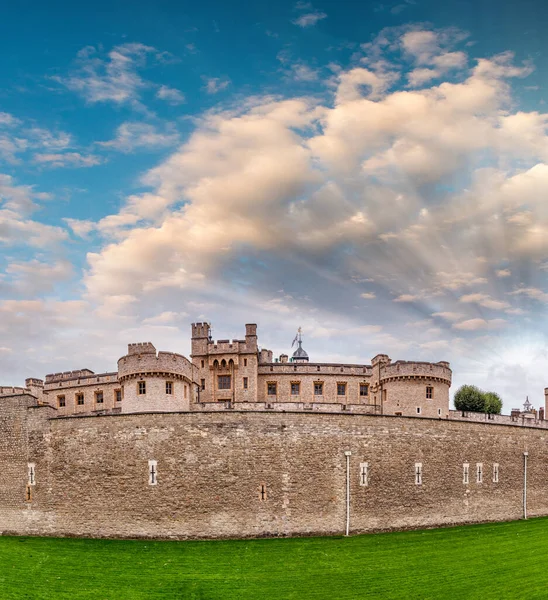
[(493, 403), (469, 398)]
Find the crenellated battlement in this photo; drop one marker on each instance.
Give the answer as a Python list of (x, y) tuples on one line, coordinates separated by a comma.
[(141, 348), (416, 369), (13, 391), (54, 377)]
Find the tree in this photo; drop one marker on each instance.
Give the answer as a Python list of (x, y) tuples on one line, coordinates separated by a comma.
[(493, 403), (469, 398)]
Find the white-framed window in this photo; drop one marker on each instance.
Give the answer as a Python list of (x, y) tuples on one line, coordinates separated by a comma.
[(418, 473), (31, 474), (418, 410), (99, 397), (466, 473), (142, 388), (152, 472), (271, 388), (479, 472), (439, 412), (364, 474), (429, 391), (169, 388), (341, 388), (495, 472), (364, 389)]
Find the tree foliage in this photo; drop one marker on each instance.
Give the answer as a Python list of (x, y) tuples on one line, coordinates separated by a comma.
[(471, 398)]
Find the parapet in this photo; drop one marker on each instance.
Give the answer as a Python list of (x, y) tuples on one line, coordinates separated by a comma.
[(141, 348), (147, 363), (382, 359), (53, 377), (416, 369), (12, 391), (201, 330)]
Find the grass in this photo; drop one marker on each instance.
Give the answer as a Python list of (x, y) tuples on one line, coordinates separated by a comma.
[(503, 560)]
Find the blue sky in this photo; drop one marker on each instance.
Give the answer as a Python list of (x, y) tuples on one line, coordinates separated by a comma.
[(373, 172)]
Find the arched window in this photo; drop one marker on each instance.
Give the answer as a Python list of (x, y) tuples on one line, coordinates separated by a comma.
[(223, 363)]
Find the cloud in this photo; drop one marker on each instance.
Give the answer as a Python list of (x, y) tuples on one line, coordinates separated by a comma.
[(484, 300), (214, 85), (406, 298), (68, 159), (479, 324), (17, 203), (368, 295), (170, 95), (503, 272), (132, 136), (309, 19), (111, 78)]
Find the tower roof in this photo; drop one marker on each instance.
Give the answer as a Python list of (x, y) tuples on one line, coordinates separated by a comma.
[(300, 354)]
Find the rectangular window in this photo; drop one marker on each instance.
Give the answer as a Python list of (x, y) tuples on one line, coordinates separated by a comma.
[(202, 384), (79, 399), (364, 474), (262, 492), (271, 388), (496, 473), (224, 382), (318, 388), (142, 388), (32, 474), (245, 383), (118, 395), (439, 412), (186, 390), (418, 473), (479, 472), (203, 364), (61, 401), (466, 473), (152, 472), (429, 391), (295, 388), (245, 362), (418, 410), (169, 387), (99, 397), (364, 389), (341, 389)]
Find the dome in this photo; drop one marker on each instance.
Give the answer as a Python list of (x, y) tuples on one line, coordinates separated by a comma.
[(300, 354)]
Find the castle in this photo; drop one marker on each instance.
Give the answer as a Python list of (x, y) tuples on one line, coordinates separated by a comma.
[(235, 443)]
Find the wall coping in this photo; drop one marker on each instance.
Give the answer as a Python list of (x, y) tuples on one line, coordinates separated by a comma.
[(294, 412)]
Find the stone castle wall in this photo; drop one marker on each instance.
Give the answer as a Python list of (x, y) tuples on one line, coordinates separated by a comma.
[(246, 473)]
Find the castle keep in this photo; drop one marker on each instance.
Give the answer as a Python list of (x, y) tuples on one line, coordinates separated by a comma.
[(234, 442)]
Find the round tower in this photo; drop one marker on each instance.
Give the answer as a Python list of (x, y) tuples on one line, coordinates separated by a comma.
[(154, 382), (415, 388)]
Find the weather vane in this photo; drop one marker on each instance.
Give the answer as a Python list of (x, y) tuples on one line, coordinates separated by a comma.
[(297, 337)]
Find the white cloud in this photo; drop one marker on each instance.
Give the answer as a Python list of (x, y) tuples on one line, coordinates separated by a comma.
[(68, 159), (484, 300), (479, 324), (309, 19), (132, 136), (406, 298), (170, 95), (214, 85), (114, 78), (368, 295)]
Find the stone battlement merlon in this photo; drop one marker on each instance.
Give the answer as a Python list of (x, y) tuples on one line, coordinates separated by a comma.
[(79, 373), (13, 391), (95, 378), (141, 348)]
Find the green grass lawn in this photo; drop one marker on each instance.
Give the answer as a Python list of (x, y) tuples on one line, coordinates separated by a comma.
[(504, 560)]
